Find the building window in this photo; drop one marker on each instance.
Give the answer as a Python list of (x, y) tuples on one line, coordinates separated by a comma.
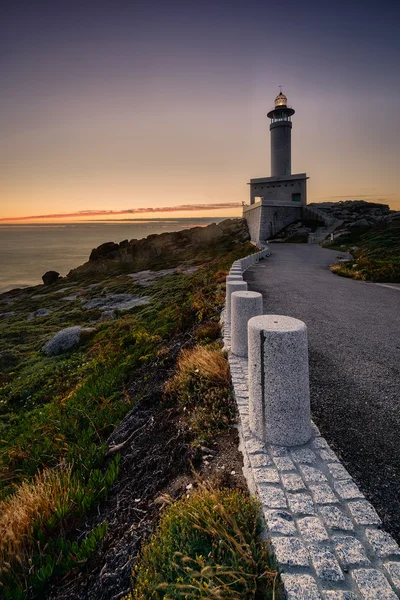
[(296, 197)]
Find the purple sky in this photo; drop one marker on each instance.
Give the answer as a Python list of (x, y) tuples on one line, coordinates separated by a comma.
[(122, 104)]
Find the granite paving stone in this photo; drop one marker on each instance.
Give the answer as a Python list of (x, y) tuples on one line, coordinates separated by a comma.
[(312, 529), (272, 496), (338, 471), (373, 585), (328, 455), (300, 587), (290, 551), (267, 475), (347, 489), (280, 521), (363, 513), (335, 518), (350, 551), (322, 493), (311, 474), (325, 564), (260, 460), (301, 504), (383, 543), (284, 463), (292, 482), (393, 569), (304, 455), (338, 595)]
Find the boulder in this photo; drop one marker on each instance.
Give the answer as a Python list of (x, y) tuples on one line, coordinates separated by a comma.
[(63, 340), (41, 312), (106, 250), (360, 224), (50, 277)]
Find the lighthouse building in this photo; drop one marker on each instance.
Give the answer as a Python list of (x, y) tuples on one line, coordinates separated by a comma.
[(278, 200)]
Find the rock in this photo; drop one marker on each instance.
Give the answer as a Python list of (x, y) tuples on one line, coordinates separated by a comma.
[(360, 224), (106, 250), (6, 315), (63, 340), (41, 312), (50, 277), (107, 315), (117, 302)]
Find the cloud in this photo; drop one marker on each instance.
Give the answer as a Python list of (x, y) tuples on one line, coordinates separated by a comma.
[(128, 211)]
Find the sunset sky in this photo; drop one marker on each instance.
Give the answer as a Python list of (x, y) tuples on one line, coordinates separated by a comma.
[(124, 105)]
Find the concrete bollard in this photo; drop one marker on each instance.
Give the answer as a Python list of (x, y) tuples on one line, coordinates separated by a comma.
[(233, 286), (244, 306), (279, 394), (234, 278)]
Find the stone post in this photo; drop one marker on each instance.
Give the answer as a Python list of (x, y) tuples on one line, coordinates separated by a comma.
[(244, 306), (234, 278), (279, 395), (233, 286)]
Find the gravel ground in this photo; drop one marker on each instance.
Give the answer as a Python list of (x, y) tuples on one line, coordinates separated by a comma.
[(354, 345)]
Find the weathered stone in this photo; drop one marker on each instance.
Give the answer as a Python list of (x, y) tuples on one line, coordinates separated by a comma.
[(322, 493), (303, 456), (338, 471), (272, 496), (312, 529), (328, 455), (347, 489), (292, 482), (50, 277), (393, 568), (63, 340), (279, 398), (335, 518), (383, 543), (311, 474), (301, 504), (372, 585), (290, 552), (233, 286), (259, 461), (350, 551), (325, 564), (41, 312), (283, 463), (244, 306), (266, 475), (339, 595), (300, 587), (280, 521), (117, 302), (363, 513)]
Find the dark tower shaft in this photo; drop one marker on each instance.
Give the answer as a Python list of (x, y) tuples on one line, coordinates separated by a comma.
[(281, 137)]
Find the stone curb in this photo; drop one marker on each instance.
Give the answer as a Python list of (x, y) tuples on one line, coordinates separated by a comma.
[(327, 538)]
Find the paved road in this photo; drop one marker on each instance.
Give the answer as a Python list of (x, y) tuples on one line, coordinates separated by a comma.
[(354, 344)]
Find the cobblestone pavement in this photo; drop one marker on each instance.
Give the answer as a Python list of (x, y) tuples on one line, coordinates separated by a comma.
[(354, 350), (327, 537)]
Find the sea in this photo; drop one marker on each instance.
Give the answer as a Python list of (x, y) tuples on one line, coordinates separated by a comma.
[(28, 251)]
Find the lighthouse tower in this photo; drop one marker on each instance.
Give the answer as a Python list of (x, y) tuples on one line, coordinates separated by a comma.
[(281, 137), (278, 200)]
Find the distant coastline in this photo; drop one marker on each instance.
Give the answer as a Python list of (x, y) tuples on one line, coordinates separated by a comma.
[(28, 250)]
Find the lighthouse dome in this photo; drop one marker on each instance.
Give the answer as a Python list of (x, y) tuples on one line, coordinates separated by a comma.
[(280, 100)]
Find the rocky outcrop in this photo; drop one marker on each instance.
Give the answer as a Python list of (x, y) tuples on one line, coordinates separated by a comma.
[(50, 277), (166, 250)]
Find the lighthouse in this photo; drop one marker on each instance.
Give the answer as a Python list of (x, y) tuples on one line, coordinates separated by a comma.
[(281, 137), (280, 199)]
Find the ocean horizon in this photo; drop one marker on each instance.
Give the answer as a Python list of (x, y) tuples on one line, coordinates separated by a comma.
[(28, 250)]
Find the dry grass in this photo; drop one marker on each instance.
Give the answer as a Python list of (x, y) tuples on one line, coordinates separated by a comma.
[(30, 506), (210, 364)]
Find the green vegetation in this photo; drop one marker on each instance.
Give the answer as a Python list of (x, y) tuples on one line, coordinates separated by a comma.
[(377, 257), (207, 546), (57, 412), (202, 390)]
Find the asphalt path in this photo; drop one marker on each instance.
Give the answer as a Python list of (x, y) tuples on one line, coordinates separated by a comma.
[(354, 352)]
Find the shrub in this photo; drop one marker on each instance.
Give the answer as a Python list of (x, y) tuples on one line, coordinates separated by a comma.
[(207, 546), (201, 388)]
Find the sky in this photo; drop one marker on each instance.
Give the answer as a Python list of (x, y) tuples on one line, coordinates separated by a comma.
[(136, 108)]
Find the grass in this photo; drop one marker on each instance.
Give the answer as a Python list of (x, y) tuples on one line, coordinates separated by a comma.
[(376, 257), (207, 546), (202, 390), (56, 413)]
